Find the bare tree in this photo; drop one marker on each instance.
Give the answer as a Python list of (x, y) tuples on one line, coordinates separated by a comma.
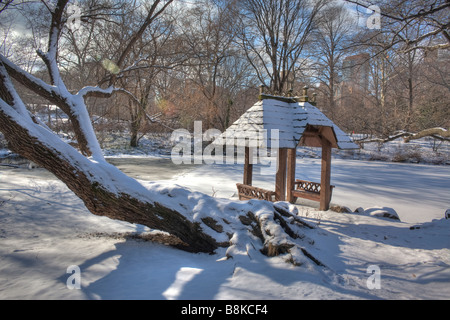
[(330, 47), (399, 14), (401, 86), (274, 35), (155, 52), (407, 83), (216, 68), (432, 104)]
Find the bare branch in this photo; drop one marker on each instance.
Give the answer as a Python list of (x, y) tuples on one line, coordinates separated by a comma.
[(431, 19), (442, 133), (151, 16), (51, 56), (401, 18)]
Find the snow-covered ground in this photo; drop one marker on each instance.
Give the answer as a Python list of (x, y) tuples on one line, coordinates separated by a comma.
[(45, 229)]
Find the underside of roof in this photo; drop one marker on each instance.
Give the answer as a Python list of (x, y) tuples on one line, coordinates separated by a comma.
[(272, 123)]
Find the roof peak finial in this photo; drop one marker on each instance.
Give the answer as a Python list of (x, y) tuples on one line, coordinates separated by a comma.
[(304, 97)]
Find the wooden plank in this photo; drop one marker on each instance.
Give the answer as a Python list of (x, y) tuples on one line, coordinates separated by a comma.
[(306, 195), (291, 162), (328, 133), (325, 190), (311, 141)]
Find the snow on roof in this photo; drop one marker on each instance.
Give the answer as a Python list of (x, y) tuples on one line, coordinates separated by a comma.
[(290, 120)]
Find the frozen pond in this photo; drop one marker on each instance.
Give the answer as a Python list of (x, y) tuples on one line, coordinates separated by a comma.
[(417, 192), (145, 168), (150, 169)]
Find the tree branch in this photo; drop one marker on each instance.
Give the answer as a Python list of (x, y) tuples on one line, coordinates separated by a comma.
[(422, 13), (50, 58), (61, 98), (151, 16), (438, 133)]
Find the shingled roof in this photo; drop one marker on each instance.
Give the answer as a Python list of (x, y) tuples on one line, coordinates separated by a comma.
[(298, 123)]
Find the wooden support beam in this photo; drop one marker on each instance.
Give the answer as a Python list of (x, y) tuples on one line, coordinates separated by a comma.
[(280, 181), (248, 167), (325, 180), (291, 162)]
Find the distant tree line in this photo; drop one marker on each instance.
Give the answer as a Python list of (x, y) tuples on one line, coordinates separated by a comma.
[(182, 61)]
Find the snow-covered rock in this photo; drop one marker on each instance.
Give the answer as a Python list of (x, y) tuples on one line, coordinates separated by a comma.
[(384, 212), (359, 210), (341, 209)]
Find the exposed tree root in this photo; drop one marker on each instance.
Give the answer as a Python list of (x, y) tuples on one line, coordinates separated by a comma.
[(280, 232)]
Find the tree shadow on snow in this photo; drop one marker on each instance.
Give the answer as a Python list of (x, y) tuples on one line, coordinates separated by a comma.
[(147, 271)]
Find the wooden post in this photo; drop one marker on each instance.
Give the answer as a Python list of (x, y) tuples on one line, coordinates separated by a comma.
[(248, 167), (291, 159), (325, 189), (280, 181)]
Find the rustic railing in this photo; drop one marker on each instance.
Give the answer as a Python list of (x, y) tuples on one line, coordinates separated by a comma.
[(304, 189), (247, 192), (308, 190)]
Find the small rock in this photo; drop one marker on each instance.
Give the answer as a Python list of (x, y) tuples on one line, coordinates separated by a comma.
[(340, 209), (359, 210)]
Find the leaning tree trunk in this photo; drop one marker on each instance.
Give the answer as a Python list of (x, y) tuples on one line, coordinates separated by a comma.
[(104, 189), (80, 178)]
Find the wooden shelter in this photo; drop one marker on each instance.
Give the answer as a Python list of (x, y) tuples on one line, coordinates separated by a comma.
[(286, 123)]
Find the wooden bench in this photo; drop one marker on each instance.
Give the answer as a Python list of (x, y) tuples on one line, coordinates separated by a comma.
[(308, 190), (247, 192)]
